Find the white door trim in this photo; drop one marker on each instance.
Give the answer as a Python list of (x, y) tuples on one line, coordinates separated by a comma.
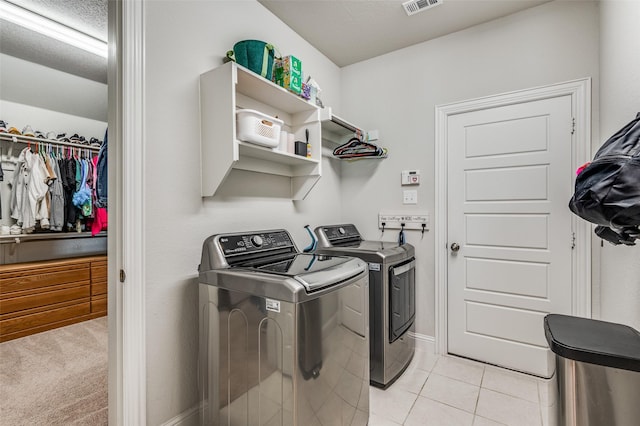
[(580, 91), (126, 304)]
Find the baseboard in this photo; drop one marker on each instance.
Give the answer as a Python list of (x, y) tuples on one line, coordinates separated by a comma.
[(186, 418), (424, 342)]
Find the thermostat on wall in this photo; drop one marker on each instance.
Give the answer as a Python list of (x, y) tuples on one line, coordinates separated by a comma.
[(411, 177)]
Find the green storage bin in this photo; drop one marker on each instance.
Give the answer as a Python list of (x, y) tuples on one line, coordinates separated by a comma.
[(254, 55)]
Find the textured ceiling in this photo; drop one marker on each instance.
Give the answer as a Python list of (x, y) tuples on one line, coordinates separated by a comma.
[(88, 16), (352, 31), (346, 31)]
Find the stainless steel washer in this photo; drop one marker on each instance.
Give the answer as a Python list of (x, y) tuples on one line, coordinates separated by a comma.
[(392, 306), (279, 341)]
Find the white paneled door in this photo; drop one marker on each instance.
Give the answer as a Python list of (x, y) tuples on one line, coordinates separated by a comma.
[(509, 230)]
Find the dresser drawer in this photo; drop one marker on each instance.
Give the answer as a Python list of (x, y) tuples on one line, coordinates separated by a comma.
[(44, 299), (99, 271), (37, 277), (50, 316), (99, 305), (98, 289)]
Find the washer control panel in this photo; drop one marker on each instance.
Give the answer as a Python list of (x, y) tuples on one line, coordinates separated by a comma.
[(235, 244)]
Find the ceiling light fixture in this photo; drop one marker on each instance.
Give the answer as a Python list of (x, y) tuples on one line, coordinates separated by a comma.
[(34, 22)]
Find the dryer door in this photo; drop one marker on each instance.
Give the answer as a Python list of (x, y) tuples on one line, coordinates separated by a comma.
[(402, 295)]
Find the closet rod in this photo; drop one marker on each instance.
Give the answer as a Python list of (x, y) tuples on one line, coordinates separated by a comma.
[(45, 236), (26, 139), (344, 124)]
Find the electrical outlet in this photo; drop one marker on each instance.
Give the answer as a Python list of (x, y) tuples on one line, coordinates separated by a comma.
[(410, 197)]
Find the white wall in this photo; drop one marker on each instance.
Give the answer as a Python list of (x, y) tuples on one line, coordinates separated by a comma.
[(619, 290), (50, 100), (182, 40), (27, 83), (396, 93), (46, 120)]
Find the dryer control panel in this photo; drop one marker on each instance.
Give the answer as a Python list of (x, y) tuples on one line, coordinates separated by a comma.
[(335, 234)]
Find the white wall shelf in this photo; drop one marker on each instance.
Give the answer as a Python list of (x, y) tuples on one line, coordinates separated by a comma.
[(337, 130), (229, 87), (17, 239), (10, 137), (264, 153)]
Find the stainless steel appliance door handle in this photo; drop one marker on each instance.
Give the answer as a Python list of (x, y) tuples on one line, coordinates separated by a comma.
[(344, 275), (404, 268)]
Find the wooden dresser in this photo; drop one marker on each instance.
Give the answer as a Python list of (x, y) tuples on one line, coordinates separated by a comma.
[(39, 296)]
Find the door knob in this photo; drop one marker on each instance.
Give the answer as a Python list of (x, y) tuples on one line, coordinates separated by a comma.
[(455, 247)]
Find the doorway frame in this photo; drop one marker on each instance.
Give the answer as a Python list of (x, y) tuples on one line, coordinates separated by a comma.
[(126, 238), (580, 92)]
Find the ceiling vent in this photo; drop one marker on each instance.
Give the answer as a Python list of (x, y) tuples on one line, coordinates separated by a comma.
[(414, 6)]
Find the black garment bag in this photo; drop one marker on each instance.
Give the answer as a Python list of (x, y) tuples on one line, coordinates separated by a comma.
[(607, 190)]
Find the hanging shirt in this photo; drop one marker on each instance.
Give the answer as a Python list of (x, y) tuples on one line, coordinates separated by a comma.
[(100, 213), (1, 179), (29, 200), (18, 204), (100, 221), (68, 171), (57, 199), (102, 178), (87, 209), (38, 193)]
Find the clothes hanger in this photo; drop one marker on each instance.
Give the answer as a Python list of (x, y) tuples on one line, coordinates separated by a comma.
[(356, 147)]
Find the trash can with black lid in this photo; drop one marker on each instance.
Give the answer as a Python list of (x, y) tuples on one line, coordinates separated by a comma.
[(597, 371)]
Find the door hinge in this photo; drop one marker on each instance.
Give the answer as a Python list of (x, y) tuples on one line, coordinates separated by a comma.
[(573, 125), (573, 240), (123, 276)]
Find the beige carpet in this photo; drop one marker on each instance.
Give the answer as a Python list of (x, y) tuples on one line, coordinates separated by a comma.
[(58, 377)]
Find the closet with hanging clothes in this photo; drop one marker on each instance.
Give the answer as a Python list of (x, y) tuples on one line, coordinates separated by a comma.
[(54, 188), (53, 260)]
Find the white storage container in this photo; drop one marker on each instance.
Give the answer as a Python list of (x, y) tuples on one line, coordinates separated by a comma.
[(256, 127)]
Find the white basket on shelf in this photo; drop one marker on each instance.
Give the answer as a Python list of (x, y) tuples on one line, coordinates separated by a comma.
[(256, 127)]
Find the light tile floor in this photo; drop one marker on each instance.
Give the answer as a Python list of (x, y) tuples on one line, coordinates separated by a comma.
[(450, 391)]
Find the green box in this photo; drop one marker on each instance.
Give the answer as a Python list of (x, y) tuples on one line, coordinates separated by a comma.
[(287, 72), (292, 65)]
